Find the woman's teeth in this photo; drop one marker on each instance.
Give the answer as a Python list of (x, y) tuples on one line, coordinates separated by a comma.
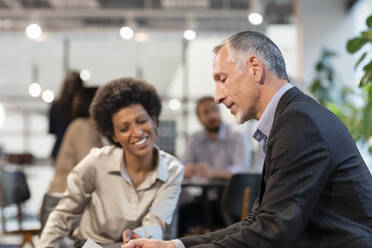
[(141, 141)]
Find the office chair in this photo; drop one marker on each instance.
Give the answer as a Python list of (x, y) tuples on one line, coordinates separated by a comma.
[(239, 196), (14, 191)]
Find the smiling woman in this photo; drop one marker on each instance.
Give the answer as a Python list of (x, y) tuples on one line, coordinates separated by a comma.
[(127, 190)]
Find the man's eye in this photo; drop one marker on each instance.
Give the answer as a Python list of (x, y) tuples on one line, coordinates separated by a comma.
[(222, 79)]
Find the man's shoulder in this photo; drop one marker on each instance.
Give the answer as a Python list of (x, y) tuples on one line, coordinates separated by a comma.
[(197, 136)]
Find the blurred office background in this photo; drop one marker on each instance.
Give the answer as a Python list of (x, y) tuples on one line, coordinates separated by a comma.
[(167, 42)]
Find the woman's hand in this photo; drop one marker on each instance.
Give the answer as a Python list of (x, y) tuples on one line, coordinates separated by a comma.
[(129, 235)]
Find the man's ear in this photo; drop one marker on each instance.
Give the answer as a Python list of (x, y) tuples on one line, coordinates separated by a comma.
[(114, 139), (255, 67)]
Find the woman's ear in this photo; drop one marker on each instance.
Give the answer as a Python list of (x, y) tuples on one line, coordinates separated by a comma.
[(114, 138), (155, 122)]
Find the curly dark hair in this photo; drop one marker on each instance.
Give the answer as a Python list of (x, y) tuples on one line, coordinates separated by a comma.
[(118, 94)]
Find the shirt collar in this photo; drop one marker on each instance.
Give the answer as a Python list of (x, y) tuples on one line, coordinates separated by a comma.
[(266, 121), (160, 172)]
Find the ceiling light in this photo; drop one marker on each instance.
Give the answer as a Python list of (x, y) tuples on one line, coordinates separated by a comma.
[(34, 89), (126, 33), (85, 75), (174, 104), (255, 18), (33, 31), (189, 34), (48, 96)]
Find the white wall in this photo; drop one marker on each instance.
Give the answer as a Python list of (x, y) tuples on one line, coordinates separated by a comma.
[(327, 24)]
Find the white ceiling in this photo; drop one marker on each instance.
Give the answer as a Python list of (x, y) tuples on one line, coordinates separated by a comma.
[(91, 27)]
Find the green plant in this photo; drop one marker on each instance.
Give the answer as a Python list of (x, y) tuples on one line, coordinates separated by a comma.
[(337, 97), (364, 40)]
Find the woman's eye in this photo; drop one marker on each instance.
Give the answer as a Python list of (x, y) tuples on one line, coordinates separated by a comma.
[(123, 129), (142, 121)]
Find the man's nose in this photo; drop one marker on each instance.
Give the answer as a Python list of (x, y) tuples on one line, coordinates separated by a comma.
[(218, 96)]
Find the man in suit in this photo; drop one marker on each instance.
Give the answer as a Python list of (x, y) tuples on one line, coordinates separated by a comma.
[(316, 190)]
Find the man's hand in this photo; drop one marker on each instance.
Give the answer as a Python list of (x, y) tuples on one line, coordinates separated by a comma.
[(149, 243), (189, 171), (128, 235), (203, 170)]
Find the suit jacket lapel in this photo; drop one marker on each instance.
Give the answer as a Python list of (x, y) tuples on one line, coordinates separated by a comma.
[(283, 103)]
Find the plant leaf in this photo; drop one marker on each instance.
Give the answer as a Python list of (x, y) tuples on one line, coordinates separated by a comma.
[(367, 35), (319, 66), (355, 44), (368, 67), (367, 78), (367, 120), (360, 60), (369, 21), (329, 53)]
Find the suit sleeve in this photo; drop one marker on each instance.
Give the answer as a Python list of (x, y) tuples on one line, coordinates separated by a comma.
[(299, 166), (220, 234)]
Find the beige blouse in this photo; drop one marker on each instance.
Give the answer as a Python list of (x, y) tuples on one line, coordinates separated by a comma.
[(101, 193)]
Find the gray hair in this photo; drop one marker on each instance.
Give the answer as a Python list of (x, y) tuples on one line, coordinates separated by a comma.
[(244, 44)]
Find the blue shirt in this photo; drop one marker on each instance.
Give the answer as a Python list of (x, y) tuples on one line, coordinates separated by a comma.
[(231, 150), (266, 122)]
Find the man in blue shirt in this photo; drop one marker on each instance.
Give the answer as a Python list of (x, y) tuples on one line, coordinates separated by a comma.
[(217, 151)]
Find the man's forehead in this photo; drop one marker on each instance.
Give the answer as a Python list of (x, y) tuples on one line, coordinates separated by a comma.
[(222, 58)]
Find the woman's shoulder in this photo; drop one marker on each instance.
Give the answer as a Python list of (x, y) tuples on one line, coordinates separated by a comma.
[(99, 157), (104, 152)]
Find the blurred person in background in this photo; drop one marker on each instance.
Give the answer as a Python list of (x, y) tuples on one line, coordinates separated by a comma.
[(80, 137), (217, 151), (60, 110), (124, 191)]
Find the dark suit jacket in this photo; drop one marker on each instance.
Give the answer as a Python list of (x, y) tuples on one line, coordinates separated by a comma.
[(316, 190)]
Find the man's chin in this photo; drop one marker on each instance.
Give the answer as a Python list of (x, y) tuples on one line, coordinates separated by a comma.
[(213, 129), (239, 117)]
